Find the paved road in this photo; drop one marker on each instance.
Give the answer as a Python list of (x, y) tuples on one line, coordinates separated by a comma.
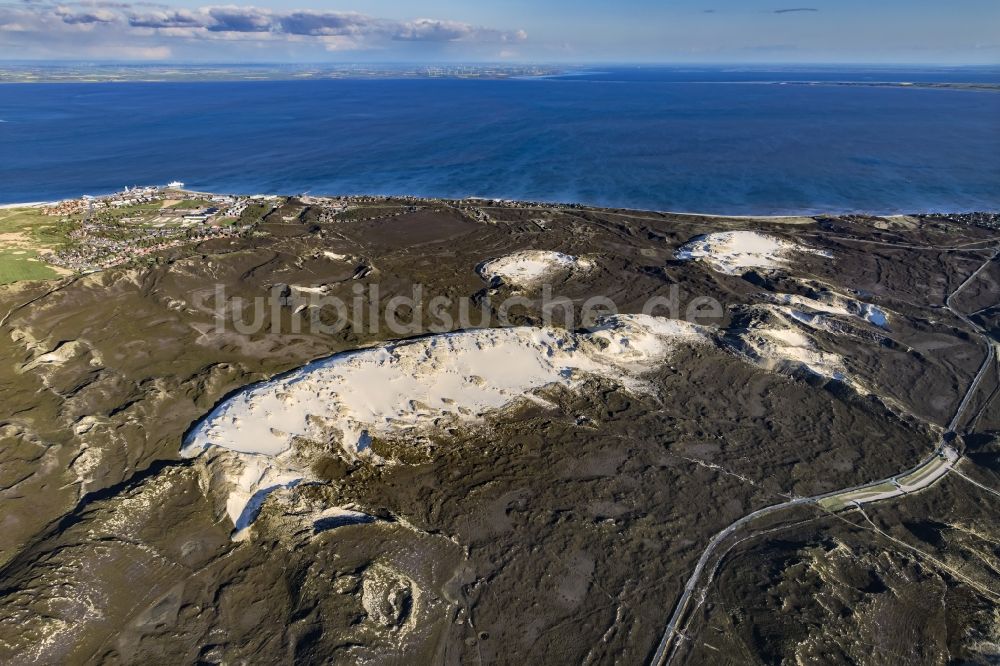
[(937, 466)]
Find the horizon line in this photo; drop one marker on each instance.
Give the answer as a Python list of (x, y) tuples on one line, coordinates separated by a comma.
[(483, 63)]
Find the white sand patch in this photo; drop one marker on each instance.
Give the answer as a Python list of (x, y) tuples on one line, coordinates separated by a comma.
[(333, 256), (404, 387), (833, 304), (407, 389), (530, 268), (828, 306), (734, 252), (176, 305), (250, 479), (85, 425), (789, 337), (778, 339), (787, 349), (63, 354), (387, 597), (84, 465), (775, 343), (814, 320), (320, 291), (834, 325)]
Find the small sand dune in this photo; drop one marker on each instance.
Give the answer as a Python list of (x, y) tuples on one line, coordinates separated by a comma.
[(529, 269), (784, 349), (829, 303), (735, 252)]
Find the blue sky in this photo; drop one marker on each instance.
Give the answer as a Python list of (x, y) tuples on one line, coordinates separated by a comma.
[(582, 31)]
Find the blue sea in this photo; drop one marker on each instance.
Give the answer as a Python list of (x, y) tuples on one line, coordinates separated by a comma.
[(716, 140)]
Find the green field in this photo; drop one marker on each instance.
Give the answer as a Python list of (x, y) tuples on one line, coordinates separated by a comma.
[(192, 204), (24, 231), (19, 267), (42, 229)]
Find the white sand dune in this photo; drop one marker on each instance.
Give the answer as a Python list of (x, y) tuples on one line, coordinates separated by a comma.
[(833, 304), (735, 252), (530, 268), (411, 388), (261, 440), (790, 349)]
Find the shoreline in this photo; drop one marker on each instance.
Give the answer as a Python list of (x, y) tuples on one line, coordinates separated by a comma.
[(792, 217), (31, 204)]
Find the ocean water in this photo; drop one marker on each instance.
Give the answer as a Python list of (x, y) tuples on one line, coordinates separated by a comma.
[(713, 140)]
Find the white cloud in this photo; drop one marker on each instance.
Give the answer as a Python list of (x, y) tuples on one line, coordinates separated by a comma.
[(78, 17), (239, 19), (135, 30), (165, 19)]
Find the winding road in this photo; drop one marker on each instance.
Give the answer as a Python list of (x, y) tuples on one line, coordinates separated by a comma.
[(938, 465)]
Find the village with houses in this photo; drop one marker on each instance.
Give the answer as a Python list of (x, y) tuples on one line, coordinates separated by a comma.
[(87, 234), (93, 233), (108, 231)]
